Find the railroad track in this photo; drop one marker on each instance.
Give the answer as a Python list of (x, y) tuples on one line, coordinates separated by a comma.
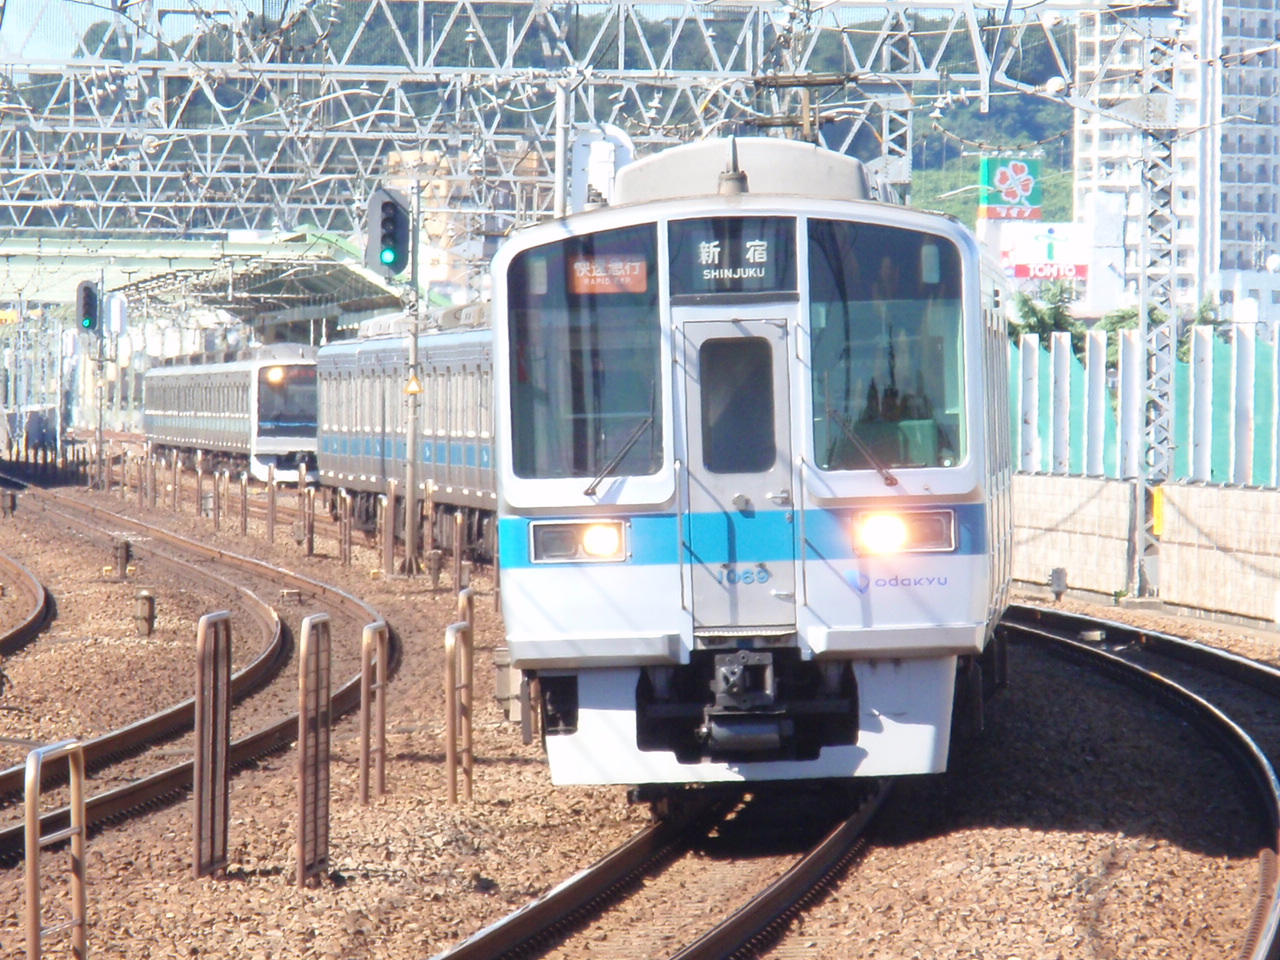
[(35, 599), (565, 911), (174, 781), (1214, 690)]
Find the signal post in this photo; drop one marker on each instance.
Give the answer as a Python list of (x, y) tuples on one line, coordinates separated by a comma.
[(89, 317), (392, 239)]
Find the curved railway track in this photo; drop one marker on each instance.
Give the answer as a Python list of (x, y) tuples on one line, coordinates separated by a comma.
[(149, 790), (539, 927), (526, 931), (1156, 664), (36, 600)]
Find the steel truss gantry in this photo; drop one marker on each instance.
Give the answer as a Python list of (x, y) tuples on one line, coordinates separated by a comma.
[(191, 118), (1156, 117), (196, 118)]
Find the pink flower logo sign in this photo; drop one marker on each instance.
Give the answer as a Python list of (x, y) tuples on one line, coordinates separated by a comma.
[(1011, 189), (1015, 182)]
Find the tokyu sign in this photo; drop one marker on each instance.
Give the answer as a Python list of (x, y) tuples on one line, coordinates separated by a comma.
[(1051, 271), (1010, 189)]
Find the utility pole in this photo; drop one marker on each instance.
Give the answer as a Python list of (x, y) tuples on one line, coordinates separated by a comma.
[(1157, 283), (100, 371), (412, 389)]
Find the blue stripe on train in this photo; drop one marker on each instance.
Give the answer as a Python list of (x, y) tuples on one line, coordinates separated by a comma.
[(717, 538)]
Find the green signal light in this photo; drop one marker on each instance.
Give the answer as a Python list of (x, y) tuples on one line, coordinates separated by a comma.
[(87, 323), (388, 255)]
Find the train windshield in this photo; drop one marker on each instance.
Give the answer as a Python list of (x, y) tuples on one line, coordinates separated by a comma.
[(287, 400), (888, 366), (585, 357)]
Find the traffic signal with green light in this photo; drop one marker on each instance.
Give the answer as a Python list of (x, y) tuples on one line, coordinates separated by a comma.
[(388, 233), (88, 307)]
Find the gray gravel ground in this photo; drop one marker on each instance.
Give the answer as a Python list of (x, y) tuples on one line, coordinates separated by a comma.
[(1079, 827)]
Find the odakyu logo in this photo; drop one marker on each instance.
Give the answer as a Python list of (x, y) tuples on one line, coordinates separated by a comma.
[(861, 583)]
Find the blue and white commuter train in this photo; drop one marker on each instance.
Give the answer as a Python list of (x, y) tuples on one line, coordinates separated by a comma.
[(246, 414), (363, 416), (754, 472)]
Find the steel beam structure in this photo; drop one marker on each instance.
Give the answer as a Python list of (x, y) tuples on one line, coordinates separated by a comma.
[(1152, 109), (193, 118)]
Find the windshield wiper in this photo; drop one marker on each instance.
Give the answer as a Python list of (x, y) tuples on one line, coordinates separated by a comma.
[(612, 465), (889, 479)]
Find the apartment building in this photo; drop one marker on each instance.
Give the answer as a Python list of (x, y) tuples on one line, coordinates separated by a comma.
[(1226, 155)]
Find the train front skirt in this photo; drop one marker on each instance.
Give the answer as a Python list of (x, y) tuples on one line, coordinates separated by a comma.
[(904, 722)]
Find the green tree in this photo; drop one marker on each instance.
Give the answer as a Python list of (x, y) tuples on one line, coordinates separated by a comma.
[(1048, 315), (1207, 315)]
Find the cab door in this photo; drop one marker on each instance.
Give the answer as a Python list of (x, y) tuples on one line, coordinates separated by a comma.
[(739, 537)]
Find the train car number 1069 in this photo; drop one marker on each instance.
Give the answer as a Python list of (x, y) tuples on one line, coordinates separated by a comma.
[(733, 575)]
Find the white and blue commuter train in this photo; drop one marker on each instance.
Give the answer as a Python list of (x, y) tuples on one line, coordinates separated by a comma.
[(245, 414), (363, 416), (754, 467)]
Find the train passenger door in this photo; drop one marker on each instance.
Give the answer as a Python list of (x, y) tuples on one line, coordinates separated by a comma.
[(739, 531)]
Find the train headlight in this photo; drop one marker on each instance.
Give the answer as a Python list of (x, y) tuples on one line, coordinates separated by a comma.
[(917, 531), (598, 541), (275, 375), (602, 540)]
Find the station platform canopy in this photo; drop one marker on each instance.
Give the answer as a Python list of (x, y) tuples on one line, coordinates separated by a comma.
[(286, 287)]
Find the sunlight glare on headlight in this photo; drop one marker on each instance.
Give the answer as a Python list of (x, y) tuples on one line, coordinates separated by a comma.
[(882, 533), (602, 540)]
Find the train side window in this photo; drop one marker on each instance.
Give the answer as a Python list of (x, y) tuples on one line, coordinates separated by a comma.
[(736, 376), (442, 402), (361, 414), (457, 401), (471, 403), (392, 398), (427, 400)]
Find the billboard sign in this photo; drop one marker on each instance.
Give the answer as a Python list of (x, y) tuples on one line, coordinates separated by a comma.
[(1044, 251), (1010, 189)]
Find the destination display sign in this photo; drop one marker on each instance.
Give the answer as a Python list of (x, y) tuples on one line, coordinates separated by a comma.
[(612, 274), (719, 255)]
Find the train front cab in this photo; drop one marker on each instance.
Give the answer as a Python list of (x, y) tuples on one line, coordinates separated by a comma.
[(769, 569), (284, 399)]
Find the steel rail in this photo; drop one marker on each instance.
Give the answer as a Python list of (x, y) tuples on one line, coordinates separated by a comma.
[(555, 911), (33, 622), (591, 889), (181, 716), (1263, 936), (1263, 676), (768, 912), (159, 787)]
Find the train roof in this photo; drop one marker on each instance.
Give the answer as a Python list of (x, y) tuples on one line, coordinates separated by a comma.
[(295, 355), (434, 343), (466, 315), (755, 165)]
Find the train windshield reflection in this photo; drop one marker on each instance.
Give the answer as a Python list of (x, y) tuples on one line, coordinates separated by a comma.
[(287, 401), (585, 344), (888, 368)]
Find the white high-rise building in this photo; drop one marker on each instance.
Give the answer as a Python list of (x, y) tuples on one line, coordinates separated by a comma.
[(1226, 156)]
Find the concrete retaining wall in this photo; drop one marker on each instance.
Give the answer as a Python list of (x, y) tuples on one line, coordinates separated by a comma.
[(1078, 523), (1219, 551)]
